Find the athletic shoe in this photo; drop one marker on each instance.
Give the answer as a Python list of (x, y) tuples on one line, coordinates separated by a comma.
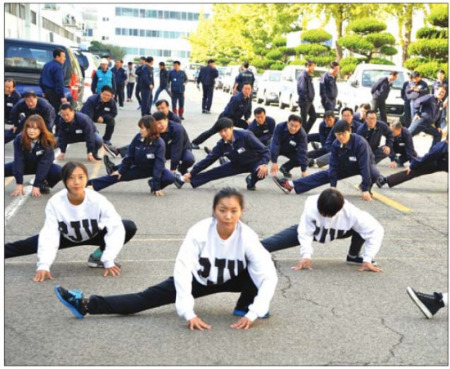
[(283, 183), (357, 260), (237, 312), (181, 117), (285, 172), (44, 188), (120, 107), (111, 150), (223, 160), (311, 162), (315, 145), (250, 187), (178, 181), (195, 146), (138, 107), (428, 304), (96, 157), (207, 112), (203, 111), (207, 149), (381, 181), (73, 300), (109, 165), (94, 260)]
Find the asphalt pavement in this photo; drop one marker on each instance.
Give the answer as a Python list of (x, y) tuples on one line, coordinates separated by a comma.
[(332, 315)]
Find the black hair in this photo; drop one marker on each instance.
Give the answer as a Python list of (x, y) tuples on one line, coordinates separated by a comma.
[(371, 111), (396, 124), (162, 64), (247, 83), (68, 169), (259, 110), (223, 123), (130, 63), (394, 73), (159, 102), (211, 61), (334, 64), (29, 93), (227, 192), (328, 114), (341, 126), (148, 59), (142, 58), (159, 115), (440, 85), (245, 65), (415, 74), (309, 62), (347, 109), (66, 105), (365, 106), (11, 80), (441, 71), (107, 88), (330, 202), (57, 52), (295, 118), (176, 62)]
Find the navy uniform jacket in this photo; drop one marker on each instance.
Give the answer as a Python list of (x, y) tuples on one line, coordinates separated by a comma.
[(428, 107), (138, 72), (403, 91), (357, 117), (177, 141), (413, 95), (245, 149), (10, 101), (146, 77), (263, 132), (39, 161), (437, 156), (94, 107), (354, 157), (80, 129), (403, 145), (120, 75), (163, 77), (373, 136), (43, 108), (246, 76), (284, 142), (52, 78), (324, 132), (328, 87), (207, 76), (173, 117), (237, 107), (149, 157), (331, 137), (177, 80), (380, 89), (305, 87)]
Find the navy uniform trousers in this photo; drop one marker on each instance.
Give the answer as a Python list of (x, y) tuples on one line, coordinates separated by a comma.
[(53, 176), (146, 101)]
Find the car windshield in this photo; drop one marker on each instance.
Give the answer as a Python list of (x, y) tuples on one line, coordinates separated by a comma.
[(274, 77), (369, 77), (316, 74)]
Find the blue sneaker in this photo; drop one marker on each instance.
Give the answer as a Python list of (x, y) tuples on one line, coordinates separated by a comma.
[(237, 312), (73, 300)]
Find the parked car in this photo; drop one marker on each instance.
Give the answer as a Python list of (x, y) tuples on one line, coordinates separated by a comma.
[(219, 80), (231, 73), (191, 69), (93, 64), (268, 86), (24, 61), (357, 89)]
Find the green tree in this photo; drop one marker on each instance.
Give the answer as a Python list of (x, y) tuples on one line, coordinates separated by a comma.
[(98, 48), (314, 48)]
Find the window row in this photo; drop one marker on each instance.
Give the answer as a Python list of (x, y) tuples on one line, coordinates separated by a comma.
[(157, 14), (150, 33), (158, 52)]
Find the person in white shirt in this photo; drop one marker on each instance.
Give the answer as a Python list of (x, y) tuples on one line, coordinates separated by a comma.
[(76, 216), (327, 217), (218, 254)]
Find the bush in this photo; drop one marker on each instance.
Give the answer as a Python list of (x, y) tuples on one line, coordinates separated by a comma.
[(277, 66), (262, 64), (381, 39), (290, 51), (366, 25), (413, 63), (355, 43), (324, 61), (261, 51), (275, 54), (316, 36), (427, 32), (439, 16), (429, 69), (435, 49), (351, 60), (298, 62), (388, 50), (381, 61), (349, 68), (311, 49), (279, 41)]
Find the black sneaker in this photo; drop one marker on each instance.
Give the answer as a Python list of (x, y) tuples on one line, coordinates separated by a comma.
[(181, 117), (207, 149), (239, 312), (94, 260), (381, 181), (195, 146), (109, 165), (250, 187), (357, 260), (428, 304), (178, 181), (73, 300), (311, 162), (44, 188), (203, 111), (111, 150), (315, 145), (285, 172), (96, 157), (283, 183)]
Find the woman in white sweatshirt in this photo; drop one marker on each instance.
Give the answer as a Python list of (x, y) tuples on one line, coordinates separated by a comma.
[(219, 254), (76, 216)]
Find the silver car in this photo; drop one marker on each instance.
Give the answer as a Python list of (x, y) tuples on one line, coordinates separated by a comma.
[(268, 86)]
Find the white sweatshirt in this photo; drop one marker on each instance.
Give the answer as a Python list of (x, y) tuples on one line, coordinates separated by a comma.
[(79, 223), (322, 229), (202, 250)]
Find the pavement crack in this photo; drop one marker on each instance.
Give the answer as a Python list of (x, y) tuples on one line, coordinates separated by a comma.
[(284, 289), (396, 345)]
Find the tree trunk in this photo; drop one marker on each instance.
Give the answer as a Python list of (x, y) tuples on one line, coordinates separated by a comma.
[(408, 28)]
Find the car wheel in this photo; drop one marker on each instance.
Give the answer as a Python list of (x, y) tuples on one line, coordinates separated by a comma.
[(266, 100), (291, 104), (258, 99), (280, 103)]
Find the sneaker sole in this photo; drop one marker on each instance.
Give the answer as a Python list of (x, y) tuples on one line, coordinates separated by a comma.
[(360, 264), (242, 313), (285, 190), (109, 151), (419, 303), (92, 264), (70, 307)]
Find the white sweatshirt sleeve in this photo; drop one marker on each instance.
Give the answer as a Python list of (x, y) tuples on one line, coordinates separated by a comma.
[(184, 265), (306, 229), (48, 240), (263, 273), (115, 232)]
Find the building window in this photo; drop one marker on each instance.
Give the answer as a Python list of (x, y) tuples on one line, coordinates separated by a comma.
[(33, 17), (118, 11)]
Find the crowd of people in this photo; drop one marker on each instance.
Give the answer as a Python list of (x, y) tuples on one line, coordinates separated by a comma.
[(78, 215)]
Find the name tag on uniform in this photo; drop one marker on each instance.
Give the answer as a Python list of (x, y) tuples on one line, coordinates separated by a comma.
[(401, 144), (150, 156), (169, 142), (292, 143), (352, 158), (107, 109), (79, 131), (174, 79), (40, 152), (266, 131), (9, 104), (241, 150)]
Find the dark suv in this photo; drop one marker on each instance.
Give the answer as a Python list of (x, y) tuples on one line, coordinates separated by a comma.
[(24, 61)]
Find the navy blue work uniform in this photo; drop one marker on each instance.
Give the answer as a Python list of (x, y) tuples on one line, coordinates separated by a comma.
[(163, 83), (429, 110), (292, 146), (94, 107), (52, 83), (138, 84), (306, 93), (380, 92), (246, 153), (20, 112), (207, 77), (414, 95), (436, 160), (407, 105), (141, 161), (145, 80), (373, 137), (348, 160), (324, 132), (38, 161), (237, 107), (246, 76), (10, 101), (81, 129), (263, 132), (178, 147), (328, 91), (120, 75), (403, 148), (173, 117), (444, 110), (103, 78), (177, 81)]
